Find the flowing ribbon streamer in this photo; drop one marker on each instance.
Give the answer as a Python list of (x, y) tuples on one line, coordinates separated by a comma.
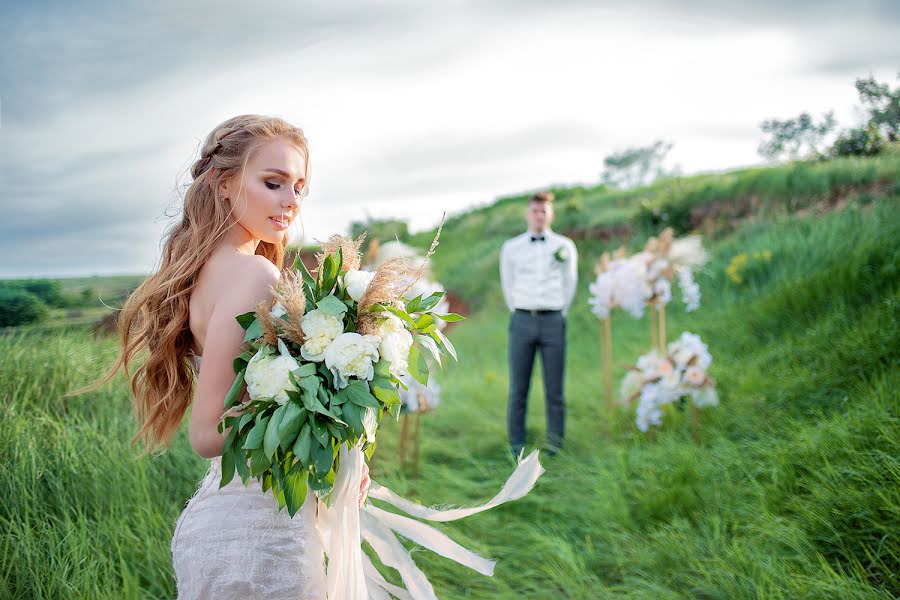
[(343, 526)]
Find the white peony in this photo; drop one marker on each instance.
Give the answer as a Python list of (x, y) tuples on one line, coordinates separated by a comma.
[(352, 355), (357, 282), (394, 344), (320, 330), (267, 374)]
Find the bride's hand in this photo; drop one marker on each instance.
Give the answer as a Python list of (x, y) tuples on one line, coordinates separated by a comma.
[(364, 485)]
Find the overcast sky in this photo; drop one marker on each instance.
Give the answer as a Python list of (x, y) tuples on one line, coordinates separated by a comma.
[(410, 108)]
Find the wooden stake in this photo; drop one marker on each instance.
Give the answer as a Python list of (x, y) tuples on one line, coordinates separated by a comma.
[(416, 442), (662, 328)]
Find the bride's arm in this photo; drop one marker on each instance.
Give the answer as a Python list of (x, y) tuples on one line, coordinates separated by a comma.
[(249, 281)]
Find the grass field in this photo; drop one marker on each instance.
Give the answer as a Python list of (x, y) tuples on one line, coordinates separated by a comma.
[(793, 490)]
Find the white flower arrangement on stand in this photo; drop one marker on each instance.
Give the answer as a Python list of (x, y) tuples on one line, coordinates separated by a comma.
[(661, 379), (416, 398)]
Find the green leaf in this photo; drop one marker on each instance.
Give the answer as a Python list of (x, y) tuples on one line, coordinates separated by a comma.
[(246, 319), (270, 441), (353, 415), (256, 435), (383, 368), (240, 462), (227, 468), (305, 370), (424, 321), (330, 305), (302, 445), (384, 390), (322, 457), (429, 346), (431, 301), (357, 391), (295, 488), (299, 265), (449, 317), (266, 482), (259, 462), (404, 316), (245, 418), (413, 305), (234, 392), (443, 342), (293, 419), (310, 384), (319, 431), (253, 331), (418, 367)]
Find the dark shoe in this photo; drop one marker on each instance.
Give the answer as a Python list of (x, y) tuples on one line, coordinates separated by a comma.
[(551, 449)]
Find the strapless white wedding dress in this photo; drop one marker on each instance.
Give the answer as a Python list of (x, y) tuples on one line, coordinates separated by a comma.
[(234, 543)]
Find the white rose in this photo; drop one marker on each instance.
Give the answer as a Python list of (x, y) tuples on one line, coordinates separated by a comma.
[(394, 344), (357, 282), (695, 376), (267, 374), (352, 355), (320, 330)]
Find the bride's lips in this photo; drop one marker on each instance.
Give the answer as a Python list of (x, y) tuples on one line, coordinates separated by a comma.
[(279, 224)]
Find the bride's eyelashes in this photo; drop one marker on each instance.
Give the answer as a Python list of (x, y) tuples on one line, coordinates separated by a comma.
[(274, 186)]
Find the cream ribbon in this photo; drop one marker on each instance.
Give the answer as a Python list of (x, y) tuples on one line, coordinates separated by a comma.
[(352, 576)]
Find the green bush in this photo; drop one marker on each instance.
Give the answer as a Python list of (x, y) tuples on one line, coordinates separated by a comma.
[(48, 290), (19, 307)]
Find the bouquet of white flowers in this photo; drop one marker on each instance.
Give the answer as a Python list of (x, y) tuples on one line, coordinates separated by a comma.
[(323, 367), (659, 379)]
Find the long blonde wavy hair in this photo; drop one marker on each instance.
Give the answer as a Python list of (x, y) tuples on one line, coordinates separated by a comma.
[(155, 315)]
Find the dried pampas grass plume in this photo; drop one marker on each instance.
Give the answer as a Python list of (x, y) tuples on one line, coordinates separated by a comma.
[(267, 321), (350, 251), (289, 293), (383, 289)]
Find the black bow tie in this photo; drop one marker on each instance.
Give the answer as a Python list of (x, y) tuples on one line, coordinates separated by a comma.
[(537, 238)]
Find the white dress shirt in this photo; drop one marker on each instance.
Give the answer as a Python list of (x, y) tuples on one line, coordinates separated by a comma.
[(531, 276)]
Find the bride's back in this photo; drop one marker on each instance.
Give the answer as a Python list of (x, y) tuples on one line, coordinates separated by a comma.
[(216, 281)]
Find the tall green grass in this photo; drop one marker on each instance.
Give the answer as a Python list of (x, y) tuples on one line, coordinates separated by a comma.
[(792, 491)]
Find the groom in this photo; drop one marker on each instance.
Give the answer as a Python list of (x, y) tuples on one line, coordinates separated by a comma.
[(538, 273)]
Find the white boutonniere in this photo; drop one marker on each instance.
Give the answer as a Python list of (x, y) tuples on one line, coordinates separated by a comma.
[(561, 254)]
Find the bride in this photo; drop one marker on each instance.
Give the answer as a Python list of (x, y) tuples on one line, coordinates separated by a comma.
[(219, 261)]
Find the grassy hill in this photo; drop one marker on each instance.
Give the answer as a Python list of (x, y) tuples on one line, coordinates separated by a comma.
[(792, 491)]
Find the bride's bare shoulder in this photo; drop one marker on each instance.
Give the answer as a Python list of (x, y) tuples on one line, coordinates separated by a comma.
[(222, 272), (228, 269)]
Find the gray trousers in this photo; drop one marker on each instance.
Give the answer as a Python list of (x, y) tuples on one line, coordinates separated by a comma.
[(527, 333)]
